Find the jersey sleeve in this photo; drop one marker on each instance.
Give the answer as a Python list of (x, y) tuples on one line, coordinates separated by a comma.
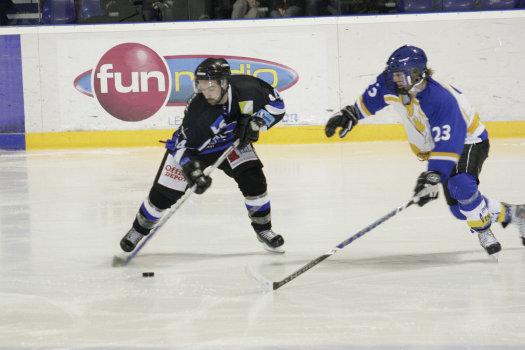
[(448, 130), (269, 106), (374, 98)]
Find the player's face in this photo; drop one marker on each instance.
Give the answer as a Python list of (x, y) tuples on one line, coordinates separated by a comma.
[(211, 89), (400, 79)]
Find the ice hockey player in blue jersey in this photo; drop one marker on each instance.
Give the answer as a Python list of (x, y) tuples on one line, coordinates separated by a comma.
[(443, 129), (224, 108)]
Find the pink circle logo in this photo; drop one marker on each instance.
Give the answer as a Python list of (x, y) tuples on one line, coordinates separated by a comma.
[(131, 82)]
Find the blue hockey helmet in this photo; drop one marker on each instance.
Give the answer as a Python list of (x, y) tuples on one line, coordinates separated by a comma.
[(410, 62)]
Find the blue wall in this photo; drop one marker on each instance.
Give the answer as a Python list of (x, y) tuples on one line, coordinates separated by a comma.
[(12, 121)]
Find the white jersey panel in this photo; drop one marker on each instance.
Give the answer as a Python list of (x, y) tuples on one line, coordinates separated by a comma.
[(415, 122)]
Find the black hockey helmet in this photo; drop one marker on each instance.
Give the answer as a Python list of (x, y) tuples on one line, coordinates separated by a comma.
[(213, 69)]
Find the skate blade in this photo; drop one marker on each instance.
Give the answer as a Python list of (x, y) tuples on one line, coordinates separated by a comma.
[(277, 250), (495, 257)]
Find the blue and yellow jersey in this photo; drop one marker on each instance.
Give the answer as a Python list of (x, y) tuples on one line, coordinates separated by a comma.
[(438, 121)]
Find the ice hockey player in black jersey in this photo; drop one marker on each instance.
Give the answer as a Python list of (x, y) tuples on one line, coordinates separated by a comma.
[(443, 129), (222, 109)]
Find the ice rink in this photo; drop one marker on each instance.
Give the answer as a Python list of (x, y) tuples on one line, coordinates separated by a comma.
[(418, 281)]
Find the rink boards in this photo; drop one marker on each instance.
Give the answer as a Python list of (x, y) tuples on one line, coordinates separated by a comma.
[(126, 85), (277, 135)]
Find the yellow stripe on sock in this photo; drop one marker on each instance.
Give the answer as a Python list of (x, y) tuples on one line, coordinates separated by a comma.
[(477, 224), (502, 212)]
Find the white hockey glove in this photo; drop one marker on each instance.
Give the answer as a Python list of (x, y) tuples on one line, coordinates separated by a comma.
[(345, 119)]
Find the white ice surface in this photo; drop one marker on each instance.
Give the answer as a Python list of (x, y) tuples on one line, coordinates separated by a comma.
[(418, 281)]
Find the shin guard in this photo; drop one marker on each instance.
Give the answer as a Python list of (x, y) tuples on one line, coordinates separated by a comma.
[(464, 188), (259, 211), (147, 216)]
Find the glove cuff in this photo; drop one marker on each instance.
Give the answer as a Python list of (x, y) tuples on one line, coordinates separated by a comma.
[(433, 177), (265, 117), (351, 112)]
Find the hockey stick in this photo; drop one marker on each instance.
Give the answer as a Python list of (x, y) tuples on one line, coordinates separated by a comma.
[(121, 261), (276, 285)]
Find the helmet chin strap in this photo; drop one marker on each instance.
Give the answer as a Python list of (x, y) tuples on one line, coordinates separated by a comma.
[(414, 89), (224, 91), (417, 87)]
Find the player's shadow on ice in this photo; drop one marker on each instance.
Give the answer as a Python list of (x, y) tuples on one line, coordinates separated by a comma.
[(406, 261), (189, 257)]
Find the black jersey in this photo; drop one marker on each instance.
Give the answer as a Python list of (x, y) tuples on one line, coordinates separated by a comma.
[(208, 129)]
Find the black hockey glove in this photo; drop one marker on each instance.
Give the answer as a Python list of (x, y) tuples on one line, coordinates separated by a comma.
[(345, 119), (195, 176), (426, 188), (248, 130)]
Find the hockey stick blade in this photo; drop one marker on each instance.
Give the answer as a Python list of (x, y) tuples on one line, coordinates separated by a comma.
[(118, 261), (302, 270), (341, 245)]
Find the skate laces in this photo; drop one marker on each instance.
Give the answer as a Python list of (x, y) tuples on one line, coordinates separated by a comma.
[(267, 235), (486, 238), (134, 236)]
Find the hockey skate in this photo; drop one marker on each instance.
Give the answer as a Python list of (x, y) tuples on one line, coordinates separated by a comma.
[(488, 241), (517, 217), (130, 240), (271, 241)]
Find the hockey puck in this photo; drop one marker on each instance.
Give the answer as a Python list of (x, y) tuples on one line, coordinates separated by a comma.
[(148, 274)]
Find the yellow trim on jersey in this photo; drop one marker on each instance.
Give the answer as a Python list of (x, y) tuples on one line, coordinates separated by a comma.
[(444, 156), (474, 124), (410, 107), (421, 155), (415, 149), (246, 107), (363, 107), (418, 124), (392, 99)]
